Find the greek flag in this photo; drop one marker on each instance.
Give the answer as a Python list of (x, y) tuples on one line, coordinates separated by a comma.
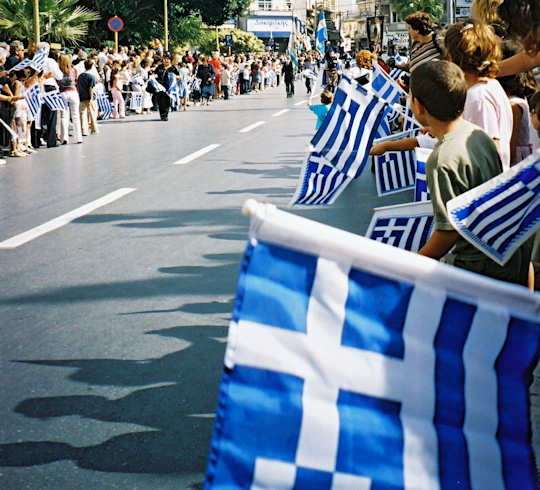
[(498, 216), (322, 34), (137, 80), (104, 105), (136, 102), (354, 365), (174, 91), (157, 86), (384, 127), (384, 87), (348, 131), (421, 191), (343, 141), (395, 171), (22, 65), (406, 226), (320, 183), (55, 101), (395, 73), (38, 61), (409, 121), (33, 101)]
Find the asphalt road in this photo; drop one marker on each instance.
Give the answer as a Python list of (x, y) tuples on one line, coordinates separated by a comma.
[(113, 322)]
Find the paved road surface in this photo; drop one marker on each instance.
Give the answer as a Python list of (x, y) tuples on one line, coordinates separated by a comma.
[(114, 306)]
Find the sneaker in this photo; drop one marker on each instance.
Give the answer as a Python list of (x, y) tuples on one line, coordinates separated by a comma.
[(3, 161)]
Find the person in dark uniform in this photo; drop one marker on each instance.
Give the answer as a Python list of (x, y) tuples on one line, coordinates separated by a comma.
[(163, 71), (288, 75)]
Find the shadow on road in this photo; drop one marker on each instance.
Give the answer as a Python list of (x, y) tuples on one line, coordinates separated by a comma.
[(177, 413)]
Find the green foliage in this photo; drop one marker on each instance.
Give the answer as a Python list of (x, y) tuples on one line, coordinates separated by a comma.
[(435, 8), (243, 42), (60, 20)]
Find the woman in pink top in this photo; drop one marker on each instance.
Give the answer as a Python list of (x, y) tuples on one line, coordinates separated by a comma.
[(475, 48)]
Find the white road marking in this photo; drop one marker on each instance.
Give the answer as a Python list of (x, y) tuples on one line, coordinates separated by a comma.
[(197, 154), (301, 102), (56, 223), (277, 114), (202, 415), (252, 126)]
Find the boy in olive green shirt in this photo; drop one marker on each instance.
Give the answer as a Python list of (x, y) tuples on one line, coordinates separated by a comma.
[(463, 158)]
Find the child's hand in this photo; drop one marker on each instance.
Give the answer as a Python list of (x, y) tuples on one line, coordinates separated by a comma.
[(378, 149)]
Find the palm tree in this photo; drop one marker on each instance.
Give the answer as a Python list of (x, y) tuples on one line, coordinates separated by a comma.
[(60, 20)]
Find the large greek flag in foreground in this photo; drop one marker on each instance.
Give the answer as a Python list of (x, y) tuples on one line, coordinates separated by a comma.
[(498, 216), (343, 141), (355, 365)]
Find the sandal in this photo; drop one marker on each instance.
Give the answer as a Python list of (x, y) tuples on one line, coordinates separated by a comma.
[(16, 153)]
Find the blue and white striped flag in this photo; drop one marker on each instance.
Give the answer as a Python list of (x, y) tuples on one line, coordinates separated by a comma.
[(407, 226), (395, 73), (104, 105), (157, 86), (384, 127), (33, 101), (322, 34), (22, 65), (384, 87), (174, 91), (395, 171), (342, 142), (348, 130), (320, 183), (354, 365), (38, 61), (498, 216), (421, 191), (137, 80), (409, 121), (55, 101), (136, 101)]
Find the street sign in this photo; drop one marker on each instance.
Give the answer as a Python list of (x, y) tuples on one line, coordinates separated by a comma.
[(115, 24), (228, 40)]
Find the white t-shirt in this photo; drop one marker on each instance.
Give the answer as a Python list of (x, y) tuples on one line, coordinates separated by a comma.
[(488, 107)]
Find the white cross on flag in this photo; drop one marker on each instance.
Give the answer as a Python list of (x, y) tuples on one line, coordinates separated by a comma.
[(354, 365)]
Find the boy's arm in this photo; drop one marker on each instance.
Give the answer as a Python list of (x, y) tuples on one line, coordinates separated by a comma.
[(439, 244), (404, 144)]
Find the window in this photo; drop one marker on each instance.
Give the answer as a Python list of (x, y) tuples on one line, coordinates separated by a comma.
[(265, 4), (395, 17)]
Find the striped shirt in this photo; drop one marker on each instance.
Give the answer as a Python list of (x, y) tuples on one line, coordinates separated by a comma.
[(423, 52)]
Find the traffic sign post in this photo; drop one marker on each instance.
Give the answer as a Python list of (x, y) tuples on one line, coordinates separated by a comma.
[(115, 24)]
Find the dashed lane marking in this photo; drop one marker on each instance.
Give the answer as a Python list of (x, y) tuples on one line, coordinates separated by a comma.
[(196, 154), (60, 221)]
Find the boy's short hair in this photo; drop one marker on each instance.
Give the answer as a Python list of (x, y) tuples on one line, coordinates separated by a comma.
[(326, 97), (441, 88), (421, 22)]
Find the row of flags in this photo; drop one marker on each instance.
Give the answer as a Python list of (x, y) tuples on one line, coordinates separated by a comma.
[(35, 98), (352, 364)]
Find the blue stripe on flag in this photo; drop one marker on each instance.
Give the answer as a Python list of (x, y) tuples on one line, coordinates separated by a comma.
[(519, 354), (371, 430), (380, 326), (290, 272), (450, 393), (241, 423)]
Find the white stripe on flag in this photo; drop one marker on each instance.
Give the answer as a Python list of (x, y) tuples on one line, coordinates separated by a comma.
[(482, 420), (420, 461)]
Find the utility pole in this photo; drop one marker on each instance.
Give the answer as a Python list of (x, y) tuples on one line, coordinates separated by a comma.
[(217, 39), (36, 22), (166, 25), (451, 11)]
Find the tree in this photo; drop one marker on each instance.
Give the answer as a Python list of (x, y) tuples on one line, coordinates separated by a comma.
[(60, 20), (243, 42), (435, 8)]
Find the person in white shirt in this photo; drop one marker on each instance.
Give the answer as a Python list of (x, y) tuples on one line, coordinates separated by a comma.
[(103, 57), (51, 76)]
